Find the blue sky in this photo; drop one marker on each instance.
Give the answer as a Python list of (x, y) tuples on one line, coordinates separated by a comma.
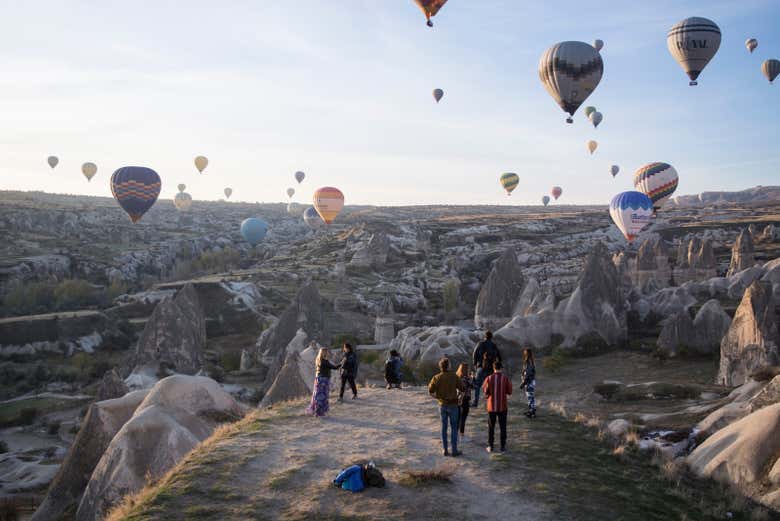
[(341, 89)]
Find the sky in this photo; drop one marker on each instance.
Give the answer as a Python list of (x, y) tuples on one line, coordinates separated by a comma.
[(341, 89)]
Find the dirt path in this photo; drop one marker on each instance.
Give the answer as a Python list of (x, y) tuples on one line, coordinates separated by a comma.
[(279, 463)]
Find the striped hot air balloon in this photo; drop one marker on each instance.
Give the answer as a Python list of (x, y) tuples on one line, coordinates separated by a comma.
[(329, 202), (438, 94), (658, 181), (693, 42), (509, 181), (771, 68), (631, 211), (136, 189), (570, 71)]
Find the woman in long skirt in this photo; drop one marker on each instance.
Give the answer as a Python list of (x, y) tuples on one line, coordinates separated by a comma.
[(319, 397)]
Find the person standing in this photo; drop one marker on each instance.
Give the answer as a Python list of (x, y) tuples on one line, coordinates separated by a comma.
[(319, 397), (464, 397), (348, 371), (529, 381), (485, 353), (444, 387), (497, 389)]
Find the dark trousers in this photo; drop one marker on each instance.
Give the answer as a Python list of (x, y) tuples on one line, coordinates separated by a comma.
[(348, 378), (464, 412), (501, 416)]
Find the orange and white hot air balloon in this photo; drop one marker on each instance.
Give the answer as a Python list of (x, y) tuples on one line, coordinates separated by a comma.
[(328, 202)]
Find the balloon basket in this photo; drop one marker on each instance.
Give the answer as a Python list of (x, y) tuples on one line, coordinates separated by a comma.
[(569, 120), (693, 83)]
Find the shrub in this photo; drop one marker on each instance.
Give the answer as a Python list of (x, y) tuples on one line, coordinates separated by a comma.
[(556, 361), (28, 298), (368, 357), (74, 294), (53, 427), (230, 361), (27, 415), (40, 374), (339, 340), (450, 292), (88, 366), (216, 261), (115, 289), (3, 447)]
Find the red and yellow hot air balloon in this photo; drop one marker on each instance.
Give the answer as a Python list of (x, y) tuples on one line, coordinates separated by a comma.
[(328, 202), (430, 8)]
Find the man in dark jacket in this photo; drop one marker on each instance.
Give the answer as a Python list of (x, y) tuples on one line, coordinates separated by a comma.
[(348, 371), (485, 354)]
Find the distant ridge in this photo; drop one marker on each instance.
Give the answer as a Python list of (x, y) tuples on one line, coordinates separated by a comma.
[(757, 194)]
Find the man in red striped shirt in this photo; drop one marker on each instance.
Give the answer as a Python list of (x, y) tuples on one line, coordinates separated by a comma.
[(497, 388)]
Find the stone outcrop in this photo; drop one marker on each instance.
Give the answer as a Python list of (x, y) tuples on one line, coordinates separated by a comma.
[(751, 342), (677, 333), (652, 263), (174, 336), (103, 420), (294, 379), (701, 335), (496, 299), (178, 413), (429, 344), (111, 386), (695, 260), (742, 253), (770, 233), (373, 255), (745, 455)]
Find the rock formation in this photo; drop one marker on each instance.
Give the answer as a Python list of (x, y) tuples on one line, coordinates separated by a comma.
[(695, 260), (742, 255), (373, 255), (384, 325), (178, 413), (701, 335), (294, 379), (496, 300), (677, 333), (103, 420), (174, 336), (111, 386), (429, 344), (652, 263), (745, 455), (769, 234), (752, 341)]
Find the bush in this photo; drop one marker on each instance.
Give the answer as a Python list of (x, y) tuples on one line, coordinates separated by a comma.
[(74, 294), (369, 357), (3, 447), (29, 298), (339, 340), (450, 292), (216, 261), (230, 361), (556, 361), (27, 415), (53, 428), (88, 366), (115, 289)]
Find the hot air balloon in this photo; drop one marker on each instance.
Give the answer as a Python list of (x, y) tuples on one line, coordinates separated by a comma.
[(545, 200), (253, 230), (592, 146), (614, 169), (693, 42), (290, 192), (509, 181), (201, 162), (598, 44), (631, 211), (136, 189), (52, 160), (328, 201), (89, 170), (771, 68), (556, 192), (430, 8), (438, 94), (228, 192), (595, 118), (658, 181), (570, 71), (751, 44), (589, 110), (182, 201), (182, 187), (294, 208), (312, 218), (299, 176)]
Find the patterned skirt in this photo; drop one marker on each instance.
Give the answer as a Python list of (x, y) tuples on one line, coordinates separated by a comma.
[(319, 397)]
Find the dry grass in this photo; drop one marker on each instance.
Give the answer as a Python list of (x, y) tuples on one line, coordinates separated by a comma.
[(423, 478)]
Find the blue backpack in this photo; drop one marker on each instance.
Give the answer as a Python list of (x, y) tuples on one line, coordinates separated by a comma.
[(351, 478)]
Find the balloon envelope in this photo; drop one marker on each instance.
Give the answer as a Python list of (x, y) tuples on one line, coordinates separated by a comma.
[(89, 170), (751, 44), (545, 200), (290, 192), (430, 8), (556, 192), (312, 218), (136, 189), (693, 42), (595, 118), (182, 201), (592, 146), (299, 176), (658, 181), (52, 160), (201, 162), (329, 202), (182, 187), (228, 192), (598, 44), (614, 169), (771, 68), (631, 211), (253, 230), (509, 181), (570, 71), (590, 109), (438, 94)]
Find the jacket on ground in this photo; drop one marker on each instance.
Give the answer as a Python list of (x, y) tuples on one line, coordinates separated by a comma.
[(351, 478)]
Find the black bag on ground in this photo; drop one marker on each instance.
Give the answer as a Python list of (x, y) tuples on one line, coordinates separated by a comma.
[(372, 476)]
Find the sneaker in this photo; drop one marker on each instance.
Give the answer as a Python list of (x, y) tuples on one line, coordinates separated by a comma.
[(489, 449), (503, 449), (456, 453), (445, 452), (389, 386), (354, 397)]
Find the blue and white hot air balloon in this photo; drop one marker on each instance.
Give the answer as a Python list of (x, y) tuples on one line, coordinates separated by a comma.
[(312, 218), (631, 211), (253, 230)]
